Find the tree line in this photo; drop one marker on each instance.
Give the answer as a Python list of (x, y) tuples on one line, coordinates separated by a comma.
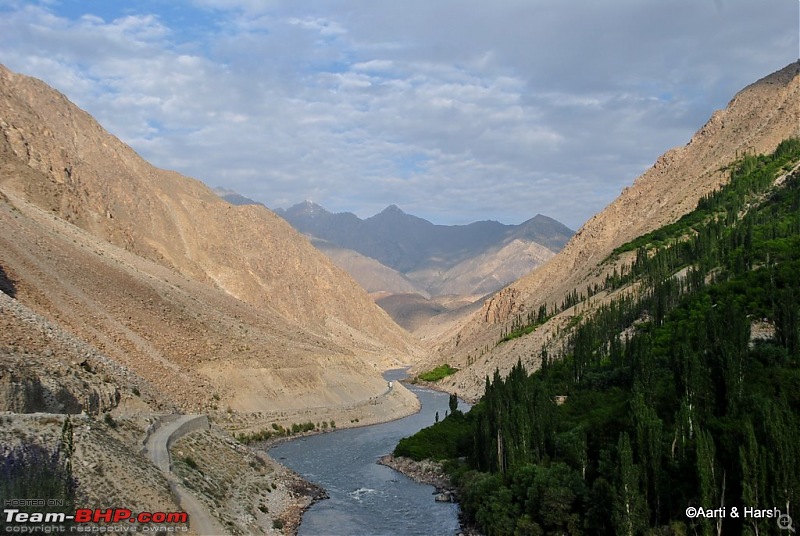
[(664, 399)]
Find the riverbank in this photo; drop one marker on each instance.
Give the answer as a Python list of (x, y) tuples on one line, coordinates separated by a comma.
[(366, 498), (294, 495), (246, 488), (271, 496), (431, 473), (438, 386), (395, 403), (424, 472)]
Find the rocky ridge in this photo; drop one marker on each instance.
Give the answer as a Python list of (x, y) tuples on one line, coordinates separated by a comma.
[(469, 260), (216, 305), (127, 292), (756, 120)]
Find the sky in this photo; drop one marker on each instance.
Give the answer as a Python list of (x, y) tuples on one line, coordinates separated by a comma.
[(454, 110)]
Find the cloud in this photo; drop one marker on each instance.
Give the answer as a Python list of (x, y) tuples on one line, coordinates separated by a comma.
[(455, 110)]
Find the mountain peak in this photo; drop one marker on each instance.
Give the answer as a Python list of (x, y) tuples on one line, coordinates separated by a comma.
[(311, 206), (393, 209), (235, 198), (307, 208), (394, 215)]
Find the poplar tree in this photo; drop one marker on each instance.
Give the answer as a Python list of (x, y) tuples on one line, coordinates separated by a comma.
[(629, 507)]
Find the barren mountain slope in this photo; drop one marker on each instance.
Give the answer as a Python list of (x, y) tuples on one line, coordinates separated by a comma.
[(368, 272), (756, 120), (199, 346), (420, 316), (213, 305), (484, 273), (91, 179)]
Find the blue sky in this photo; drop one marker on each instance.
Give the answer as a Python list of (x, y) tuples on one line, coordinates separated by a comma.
[(455, 110)]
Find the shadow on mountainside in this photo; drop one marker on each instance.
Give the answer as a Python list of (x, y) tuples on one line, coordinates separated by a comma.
[(6, 284)]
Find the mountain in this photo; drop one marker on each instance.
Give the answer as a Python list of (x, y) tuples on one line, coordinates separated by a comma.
[(235, 198), (212, 304), (685, 359), (486, 271), (755, 121), (369, 273), (130, 294), (423, 316), (473, 259)]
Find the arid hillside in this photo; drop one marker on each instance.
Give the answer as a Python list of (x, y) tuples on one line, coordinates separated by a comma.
[(214, 306), (756, 120)]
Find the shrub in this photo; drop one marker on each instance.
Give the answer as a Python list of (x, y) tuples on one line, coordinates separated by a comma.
[(109, 420)]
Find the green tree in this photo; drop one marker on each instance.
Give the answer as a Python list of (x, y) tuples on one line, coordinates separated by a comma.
[(629, 507), (752, 471), (648, 428), (712, 483), (554, 499), (453, 403)]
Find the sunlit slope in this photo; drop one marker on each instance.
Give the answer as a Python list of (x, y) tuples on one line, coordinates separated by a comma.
[(755, 121), (215, 303)]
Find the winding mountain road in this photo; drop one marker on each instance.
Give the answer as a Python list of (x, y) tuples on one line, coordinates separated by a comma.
[(167, 430)]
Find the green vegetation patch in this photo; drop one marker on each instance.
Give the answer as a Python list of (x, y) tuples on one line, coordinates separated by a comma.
[(445, 440), (664, 398), (277, 431), (750, 176), (438, 373)]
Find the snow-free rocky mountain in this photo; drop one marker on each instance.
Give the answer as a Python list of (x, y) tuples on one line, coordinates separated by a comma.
[(208, 303), (130, 292), (428, 259), (756, 120)]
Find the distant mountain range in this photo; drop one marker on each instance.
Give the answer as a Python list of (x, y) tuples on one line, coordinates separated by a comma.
[(474, 259), (395, 254), (407, 243)]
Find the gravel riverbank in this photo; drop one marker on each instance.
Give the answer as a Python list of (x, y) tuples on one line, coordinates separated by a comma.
[(431, 473)]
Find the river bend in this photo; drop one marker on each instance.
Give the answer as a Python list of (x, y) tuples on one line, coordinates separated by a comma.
[(366, 498)]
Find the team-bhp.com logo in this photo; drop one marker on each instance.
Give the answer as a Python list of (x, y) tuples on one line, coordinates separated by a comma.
[(94, 520), (117, 515)]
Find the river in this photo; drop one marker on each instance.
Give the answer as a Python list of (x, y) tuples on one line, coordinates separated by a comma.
[(367, 498)]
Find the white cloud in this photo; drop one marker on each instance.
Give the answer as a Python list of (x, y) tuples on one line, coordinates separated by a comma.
[(454, 110), (325, 27)]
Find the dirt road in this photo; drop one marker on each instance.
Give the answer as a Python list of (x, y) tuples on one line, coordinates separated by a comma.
[(169, 429)]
